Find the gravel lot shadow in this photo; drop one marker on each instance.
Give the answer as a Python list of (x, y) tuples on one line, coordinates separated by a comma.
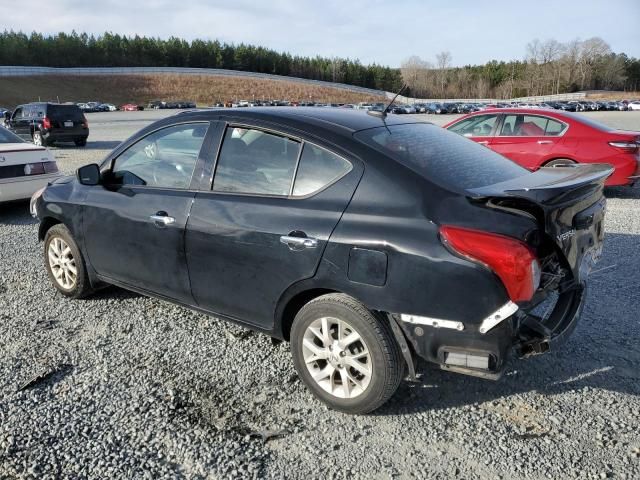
[(622, 192), (603, 353), (16, 213), (91, 145)]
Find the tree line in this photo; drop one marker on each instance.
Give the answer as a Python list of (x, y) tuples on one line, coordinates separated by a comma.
[(114, 50), (549, 67)]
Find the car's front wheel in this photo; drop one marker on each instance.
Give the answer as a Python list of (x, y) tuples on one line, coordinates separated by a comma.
[(64, 263), (345, 355)]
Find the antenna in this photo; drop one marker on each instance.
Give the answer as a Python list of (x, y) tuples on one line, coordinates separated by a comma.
[(383, 113)]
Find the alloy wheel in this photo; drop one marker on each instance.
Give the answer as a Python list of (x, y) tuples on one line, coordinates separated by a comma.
[(62, 264), (337, 357), (37, 139)]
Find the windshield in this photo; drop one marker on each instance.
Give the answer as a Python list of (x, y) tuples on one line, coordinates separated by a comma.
[(7, 137), (443, 157)]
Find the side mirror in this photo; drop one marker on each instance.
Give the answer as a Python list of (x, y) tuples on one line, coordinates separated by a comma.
[(89, 174)]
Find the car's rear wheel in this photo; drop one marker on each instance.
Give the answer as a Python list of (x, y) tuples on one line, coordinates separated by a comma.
[(559, 162), (37, 138), (64, 263), (345, 355)]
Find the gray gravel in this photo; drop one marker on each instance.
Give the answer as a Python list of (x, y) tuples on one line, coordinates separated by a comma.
[(144, 389)]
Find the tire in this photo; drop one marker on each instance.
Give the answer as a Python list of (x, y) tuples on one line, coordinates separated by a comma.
[(380, 366), (559, 162), (61, 258), (80, 142), (38, 139)]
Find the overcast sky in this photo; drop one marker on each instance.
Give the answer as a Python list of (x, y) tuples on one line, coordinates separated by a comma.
[(381, 31)]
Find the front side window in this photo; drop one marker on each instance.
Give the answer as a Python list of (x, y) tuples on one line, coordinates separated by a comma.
[(165, 159), (256, 162), (530, 126), (317, 169), (476, 126)]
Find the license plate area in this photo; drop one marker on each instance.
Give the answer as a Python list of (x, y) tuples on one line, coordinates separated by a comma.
[(68, 123)]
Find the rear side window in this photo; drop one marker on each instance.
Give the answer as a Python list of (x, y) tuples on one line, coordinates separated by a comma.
[(65, 112), (317, 169), (256, 162), (476, 126), (441, 156), (530, 126)]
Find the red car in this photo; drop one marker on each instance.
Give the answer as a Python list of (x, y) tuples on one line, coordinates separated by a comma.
[(129, 107), (543, 138)]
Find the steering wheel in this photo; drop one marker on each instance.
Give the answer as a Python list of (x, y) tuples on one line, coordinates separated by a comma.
[(171, 169), (151, 151)]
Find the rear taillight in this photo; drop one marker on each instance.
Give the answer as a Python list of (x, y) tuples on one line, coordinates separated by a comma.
[(34, 169), (511, 260), (46, 123), (85, 122), (628, 146)]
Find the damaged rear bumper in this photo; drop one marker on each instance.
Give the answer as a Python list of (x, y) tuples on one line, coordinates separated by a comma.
[(481, 348)]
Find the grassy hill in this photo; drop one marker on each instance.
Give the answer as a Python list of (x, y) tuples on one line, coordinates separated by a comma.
[(204, 90)]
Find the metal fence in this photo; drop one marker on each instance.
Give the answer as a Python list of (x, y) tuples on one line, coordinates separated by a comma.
[(535, 99), (17, 71)]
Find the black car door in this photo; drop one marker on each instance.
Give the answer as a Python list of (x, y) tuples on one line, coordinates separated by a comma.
[(257, 232), (134, 222)]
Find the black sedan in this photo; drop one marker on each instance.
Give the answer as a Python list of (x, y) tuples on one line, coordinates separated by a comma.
[(365, 240)]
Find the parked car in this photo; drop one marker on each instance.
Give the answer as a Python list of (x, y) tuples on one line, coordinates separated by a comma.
[(553, 138), (108, 107), (567, 106), (420, 107), (5, 114), (48, 123), (633, 105), (130, 107), (450, 108), (24, 167), (402, 109), (291, 228), (434, 107)]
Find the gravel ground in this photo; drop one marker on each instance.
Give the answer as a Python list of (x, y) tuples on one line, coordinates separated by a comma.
[(138, 388)]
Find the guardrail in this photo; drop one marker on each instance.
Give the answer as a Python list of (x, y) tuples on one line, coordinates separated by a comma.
[(533, 99), (19, 71)]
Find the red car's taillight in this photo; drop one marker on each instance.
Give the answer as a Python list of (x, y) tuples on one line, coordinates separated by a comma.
[(628, 146), (512, 260), (46, 123)]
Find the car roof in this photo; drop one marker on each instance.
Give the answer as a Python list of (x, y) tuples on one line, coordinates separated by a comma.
[(340, 118)]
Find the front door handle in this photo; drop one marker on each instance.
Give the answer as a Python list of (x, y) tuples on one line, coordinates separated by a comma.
[(161, 219), (298, 243), (544, 142), (484, 142)]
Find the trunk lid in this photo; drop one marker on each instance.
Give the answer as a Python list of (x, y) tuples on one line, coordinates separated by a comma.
[(568, 204)]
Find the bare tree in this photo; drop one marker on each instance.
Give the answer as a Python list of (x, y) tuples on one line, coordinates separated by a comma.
[(443, 62)]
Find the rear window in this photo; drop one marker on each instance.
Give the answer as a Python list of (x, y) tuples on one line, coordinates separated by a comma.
[(443, 157), (64, 112), (8, 137)]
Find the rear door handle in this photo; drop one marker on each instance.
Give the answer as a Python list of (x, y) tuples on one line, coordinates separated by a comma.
[(544, 142), (161, 219), (484, 142), (298, 243)]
